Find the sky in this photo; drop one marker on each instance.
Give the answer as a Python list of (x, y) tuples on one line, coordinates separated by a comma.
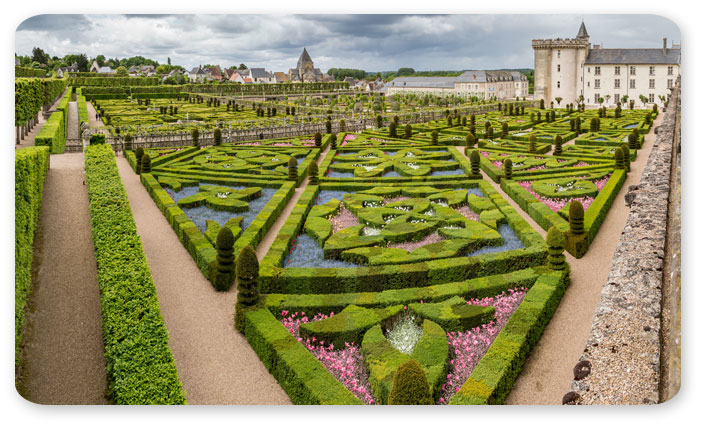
[(373, 42)]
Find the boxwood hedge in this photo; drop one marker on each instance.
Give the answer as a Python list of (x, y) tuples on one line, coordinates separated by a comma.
[(139, 363)]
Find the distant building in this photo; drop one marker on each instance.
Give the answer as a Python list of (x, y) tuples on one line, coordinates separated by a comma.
[(197, 74), (280, 77), (215, 73), (306, 71), (62, 70), (570, 69), (483, 84), (259, 75)]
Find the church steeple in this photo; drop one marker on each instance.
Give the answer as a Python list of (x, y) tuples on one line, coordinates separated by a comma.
[(582, 33)]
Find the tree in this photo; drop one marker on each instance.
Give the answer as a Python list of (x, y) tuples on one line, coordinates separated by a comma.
[(82, 62), (242, 66), (100, 59), (38, 55), (121, 71), (405, 71), (558, 100), (169, 61)]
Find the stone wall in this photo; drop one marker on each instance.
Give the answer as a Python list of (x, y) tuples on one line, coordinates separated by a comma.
[(624, 347)]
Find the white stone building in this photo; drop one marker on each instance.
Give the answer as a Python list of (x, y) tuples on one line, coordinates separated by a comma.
[(571, 69), (483, 84)]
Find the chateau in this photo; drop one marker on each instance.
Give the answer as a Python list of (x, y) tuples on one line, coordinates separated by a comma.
[(306, 71), (570, 69), (480, 83)]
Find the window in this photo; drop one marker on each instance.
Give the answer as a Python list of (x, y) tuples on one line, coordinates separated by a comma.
[(632, 70), (597, 83), (588, 70), (651, 83), (588, 84), (559, 68), (558, 85), (617, 98), (669, 83), (651, 97), (617, 83), (632, 83), (597, 70), (651, 70), (476, 86), (617, 70), (597, 98), (559, 54), (670, 70)]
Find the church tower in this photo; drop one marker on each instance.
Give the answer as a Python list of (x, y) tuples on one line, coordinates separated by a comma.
[(306, 67), (558, 65)]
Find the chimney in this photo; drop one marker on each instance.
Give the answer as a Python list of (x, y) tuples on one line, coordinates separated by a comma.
[(664, 50)]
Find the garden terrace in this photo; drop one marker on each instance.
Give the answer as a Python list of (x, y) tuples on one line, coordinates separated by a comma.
[(337, 298), (393, 164), (199, 191)]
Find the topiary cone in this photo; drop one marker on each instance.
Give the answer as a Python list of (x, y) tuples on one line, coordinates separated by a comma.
[(145, 163), (217, 136), (557, 145), (576, 214), (632, 140), (434, 138), (292, 169), (532, 143), (318, 139), (469, 140), (627, 156), (410, 386), (507, 168), (408, 131), (505, 130), (555, 242), (474, 162), (224, 272), (139, 160), (312, 171), (619, 159)]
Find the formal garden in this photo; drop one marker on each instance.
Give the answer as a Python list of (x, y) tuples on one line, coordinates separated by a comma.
[(400, 272)]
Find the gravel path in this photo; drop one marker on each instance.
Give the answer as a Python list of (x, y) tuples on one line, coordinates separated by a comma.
[(215, 362), (72, 124), (61, 360), (93, 122), (549, 369)]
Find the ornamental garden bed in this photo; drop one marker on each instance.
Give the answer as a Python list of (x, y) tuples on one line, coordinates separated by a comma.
[(365, 277)]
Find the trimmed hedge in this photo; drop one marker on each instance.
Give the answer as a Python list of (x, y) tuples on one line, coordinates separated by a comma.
[(377, 278), (493, 377), (297, 371), (53, 133), (32, 94), (139, 363), (31, 166)]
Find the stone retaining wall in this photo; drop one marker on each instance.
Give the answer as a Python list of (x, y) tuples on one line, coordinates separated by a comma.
[(624, 346)]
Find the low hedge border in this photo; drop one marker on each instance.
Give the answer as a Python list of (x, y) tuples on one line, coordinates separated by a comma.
[(597, 210), (53, 133), (31, 166), (83, 109), (297, 371), (480, 287), (275, 279), (198, 246), (139, 363), (493, 377)]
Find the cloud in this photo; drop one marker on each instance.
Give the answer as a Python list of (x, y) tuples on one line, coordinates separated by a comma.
[(373, 42)]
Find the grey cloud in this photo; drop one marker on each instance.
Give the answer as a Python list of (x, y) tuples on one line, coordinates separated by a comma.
[(55, 22)]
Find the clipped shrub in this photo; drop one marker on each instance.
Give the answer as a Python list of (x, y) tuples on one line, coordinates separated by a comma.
[(631, 104), (449, 120), (224, 273), (553, 115), (247, 274), (410, 385), (505, 129), (333, 141), (655, 109), (618, 111), (343, 125), (469, 140), (633, 141), (532, 143), (312, 171), (619, 158), (407, 131), (576, 216), (318, 139), (217, 136), (507, 168), (626, 156), (139, 159), (379, 121), (434, 138), (542, 105), (555, 242), (557, 145), (97, 139), (128, 141), (195, 137), (292, 169), (490, 133), (328, 126), (145, 164), (474, 162), (392, 130)]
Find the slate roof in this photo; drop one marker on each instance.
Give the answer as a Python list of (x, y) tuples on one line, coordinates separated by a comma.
[(639, 56), (473, 76), (105, 70), (259, 73), (304, 57), (582, 32)]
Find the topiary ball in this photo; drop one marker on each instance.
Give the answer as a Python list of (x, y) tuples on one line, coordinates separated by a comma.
[(410, 386), (247, 266), (576, 214), (225, 239)]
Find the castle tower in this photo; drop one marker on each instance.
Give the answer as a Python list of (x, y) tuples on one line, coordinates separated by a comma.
[(558, 65)]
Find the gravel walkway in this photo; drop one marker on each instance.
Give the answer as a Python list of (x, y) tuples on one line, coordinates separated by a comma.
[(215, 362), (61, 360), (549, 369), (72, 124), (93, 122)]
